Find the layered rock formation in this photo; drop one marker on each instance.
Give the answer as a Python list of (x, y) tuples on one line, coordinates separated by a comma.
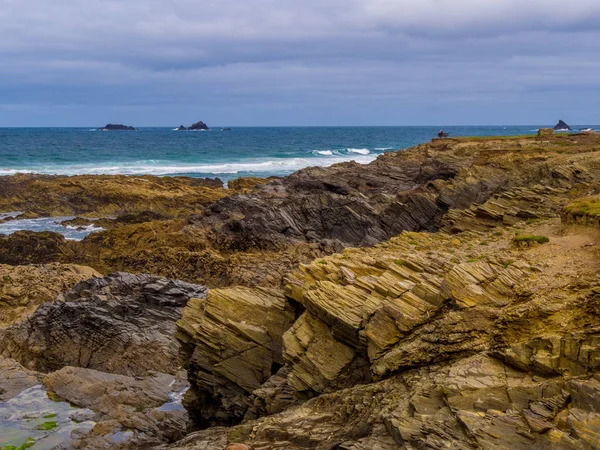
[(122, 324), (475, 336), (469, 319), (481, 343), (232, 343)]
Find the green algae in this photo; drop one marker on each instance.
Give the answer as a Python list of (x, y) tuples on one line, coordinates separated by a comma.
[(29, 442), (47, 426)]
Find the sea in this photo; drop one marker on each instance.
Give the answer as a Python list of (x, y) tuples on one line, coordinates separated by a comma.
[(217, 153)]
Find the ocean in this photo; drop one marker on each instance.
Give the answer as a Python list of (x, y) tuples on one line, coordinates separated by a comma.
[(224, 154)]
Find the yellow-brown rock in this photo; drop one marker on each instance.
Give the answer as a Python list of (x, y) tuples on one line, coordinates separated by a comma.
[(233, 341), (24, 288), (101, 195)]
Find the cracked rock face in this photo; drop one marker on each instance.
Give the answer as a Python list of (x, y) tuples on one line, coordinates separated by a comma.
[(122, 324), (477, 402), (231, 341)]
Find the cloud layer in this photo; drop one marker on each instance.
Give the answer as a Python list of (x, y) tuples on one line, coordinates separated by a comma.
[(75, 62)]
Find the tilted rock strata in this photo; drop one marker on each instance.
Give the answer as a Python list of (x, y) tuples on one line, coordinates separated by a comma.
[(419, 299), (481, 344), (232, 345), (361, 205), (24, 288), (476, 402), (122, 324)]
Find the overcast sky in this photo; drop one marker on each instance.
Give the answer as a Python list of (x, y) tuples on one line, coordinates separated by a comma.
[(309, 62)]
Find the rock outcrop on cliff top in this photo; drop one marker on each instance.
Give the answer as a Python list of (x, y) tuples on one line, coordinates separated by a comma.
[(121, 324)]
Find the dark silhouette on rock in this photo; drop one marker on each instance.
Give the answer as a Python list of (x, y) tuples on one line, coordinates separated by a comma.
[(562, 126), (181, 128), (117, 127), (198, 126)]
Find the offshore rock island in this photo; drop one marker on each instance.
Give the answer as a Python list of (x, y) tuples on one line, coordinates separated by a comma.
[(443, 296)]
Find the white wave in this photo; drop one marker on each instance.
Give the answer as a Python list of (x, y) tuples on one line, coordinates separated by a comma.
[(323, 152), (360, 151), (151, 167), (381, 149)]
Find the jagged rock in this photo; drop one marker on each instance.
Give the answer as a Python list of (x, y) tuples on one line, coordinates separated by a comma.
[(122, 323), (116, 127), (232, 345), (361, 205), (562, 126), (198, 126), (181, 128), (476, 402), (24, 288), (140, 410)]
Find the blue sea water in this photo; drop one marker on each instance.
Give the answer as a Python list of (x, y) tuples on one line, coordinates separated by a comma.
[(224, 154)]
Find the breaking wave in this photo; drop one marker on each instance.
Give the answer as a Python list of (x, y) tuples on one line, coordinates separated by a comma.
[(157, 167)]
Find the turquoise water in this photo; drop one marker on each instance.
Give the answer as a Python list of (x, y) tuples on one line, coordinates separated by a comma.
[(224, 154)]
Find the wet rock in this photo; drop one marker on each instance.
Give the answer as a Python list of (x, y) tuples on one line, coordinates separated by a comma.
[(14, 378), (129, 411), (122, 323)]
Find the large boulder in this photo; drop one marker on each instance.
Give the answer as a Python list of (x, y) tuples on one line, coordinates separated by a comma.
[(122, 324), (130, 412)]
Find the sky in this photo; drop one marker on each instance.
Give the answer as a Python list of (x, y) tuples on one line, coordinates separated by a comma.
[(310, 62)]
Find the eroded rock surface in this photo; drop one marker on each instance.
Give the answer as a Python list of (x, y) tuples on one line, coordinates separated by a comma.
[(122, 324), (24, 288), (232, 344)]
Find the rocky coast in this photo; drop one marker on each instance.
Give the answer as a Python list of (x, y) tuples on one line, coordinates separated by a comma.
[(443, 296)]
